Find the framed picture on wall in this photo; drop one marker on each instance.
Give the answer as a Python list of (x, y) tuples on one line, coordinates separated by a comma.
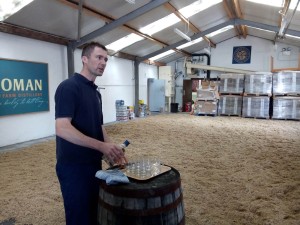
[(241, 55), (23, 87)]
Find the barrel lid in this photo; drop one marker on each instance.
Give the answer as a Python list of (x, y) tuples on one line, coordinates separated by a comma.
[(157, 186)]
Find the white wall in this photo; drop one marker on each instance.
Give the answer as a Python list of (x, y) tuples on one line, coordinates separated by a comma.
[(117, 80), (261, 53)]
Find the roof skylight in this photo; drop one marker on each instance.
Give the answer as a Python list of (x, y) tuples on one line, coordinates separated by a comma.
[(164, 23), (197, 7), (262, 29), (124, 42), (9, 7), (160, 24), (220, 31), (162, 55), (276, 3), (190, 43), (171, 19)]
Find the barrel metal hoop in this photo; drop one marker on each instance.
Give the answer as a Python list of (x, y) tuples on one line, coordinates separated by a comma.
[(182, 222), (142, 193), (139, 212)]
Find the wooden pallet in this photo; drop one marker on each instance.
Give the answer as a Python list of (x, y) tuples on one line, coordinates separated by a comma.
[(257, 94), (223, 114), (286, 94), (256, 117), (227, 93), (290, 119), (207, 100), (206, 114)]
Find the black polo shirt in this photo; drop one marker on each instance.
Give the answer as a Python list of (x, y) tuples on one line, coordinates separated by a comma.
[(78, 98)]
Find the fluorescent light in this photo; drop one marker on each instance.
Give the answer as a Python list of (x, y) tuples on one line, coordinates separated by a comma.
[(183, 35), (219, 31), (124, 42), (9, 7), (162, 55), (190, 43)]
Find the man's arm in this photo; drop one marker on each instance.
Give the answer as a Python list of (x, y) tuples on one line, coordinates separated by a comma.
[(67, 131), (106, 137)]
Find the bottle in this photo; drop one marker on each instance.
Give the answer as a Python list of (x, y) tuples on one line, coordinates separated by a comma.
[(123, 146)]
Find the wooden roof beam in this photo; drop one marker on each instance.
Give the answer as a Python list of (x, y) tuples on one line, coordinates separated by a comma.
[(172, 9), (231, 16), (239, 14), (29, 33), (282, 19)]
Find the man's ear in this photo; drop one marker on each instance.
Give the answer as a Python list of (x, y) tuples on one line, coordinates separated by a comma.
[(84, 59)]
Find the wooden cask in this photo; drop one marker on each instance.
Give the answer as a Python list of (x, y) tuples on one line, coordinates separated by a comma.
[(158, 201)]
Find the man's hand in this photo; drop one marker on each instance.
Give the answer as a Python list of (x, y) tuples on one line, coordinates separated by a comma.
[(114, 153)]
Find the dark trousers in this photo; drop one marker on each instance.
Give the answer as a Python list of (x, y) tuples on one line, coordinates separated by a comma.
[(80, 191)]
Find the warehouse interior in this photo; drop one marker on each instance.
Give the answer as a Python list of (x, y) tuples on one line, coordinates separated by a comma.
[(216, 79)]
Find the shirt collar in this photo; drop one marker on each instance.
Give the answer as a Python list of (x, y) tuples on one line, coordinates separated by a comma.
[(84, 80)]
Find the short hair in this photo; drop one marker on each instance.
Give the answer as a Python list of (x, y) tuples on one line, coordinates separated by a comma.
[(89, 47)]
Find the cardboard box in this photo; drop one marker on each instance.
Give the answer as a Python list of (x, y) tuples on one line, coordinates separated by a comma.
[(206, 107)]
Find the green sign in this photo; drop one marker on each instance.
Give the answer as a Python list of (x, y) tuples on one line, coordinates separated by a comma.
[(23, 87)]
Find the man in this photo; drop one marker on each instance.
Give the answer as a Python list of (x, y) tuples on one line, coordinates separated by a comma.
[(81, 139)]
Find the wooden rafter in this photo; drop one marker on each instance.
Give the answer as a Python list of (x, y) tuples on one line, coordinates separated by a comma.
[(239, 14), (33, 34), (283, 12), (172, 9), (231, 16)]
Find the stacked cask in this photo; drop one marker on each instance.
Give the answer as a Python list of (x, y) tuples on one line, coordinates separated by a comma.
[(257, 95), (231, 90), (207, 99), (286, 95)]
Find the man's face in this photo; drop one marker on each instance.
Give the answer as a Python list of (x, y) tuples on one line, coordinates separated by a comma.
[(96, 63)]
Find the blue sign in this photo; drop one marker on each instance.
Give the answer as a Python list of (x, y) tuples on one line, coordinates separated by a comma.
[(23, 87), (241, 55)]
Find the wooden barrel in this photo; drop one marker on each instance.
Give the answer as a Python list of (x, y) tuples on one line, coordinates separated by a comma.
[(158, 201)]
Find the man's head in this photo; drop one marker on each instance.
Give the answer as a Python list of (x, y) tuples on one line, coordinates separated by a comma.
[(89, 48), (94, 58)]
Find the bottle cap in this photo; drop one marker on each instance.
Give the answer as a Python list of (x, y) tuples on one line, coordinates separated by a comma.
[(126, 143)]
